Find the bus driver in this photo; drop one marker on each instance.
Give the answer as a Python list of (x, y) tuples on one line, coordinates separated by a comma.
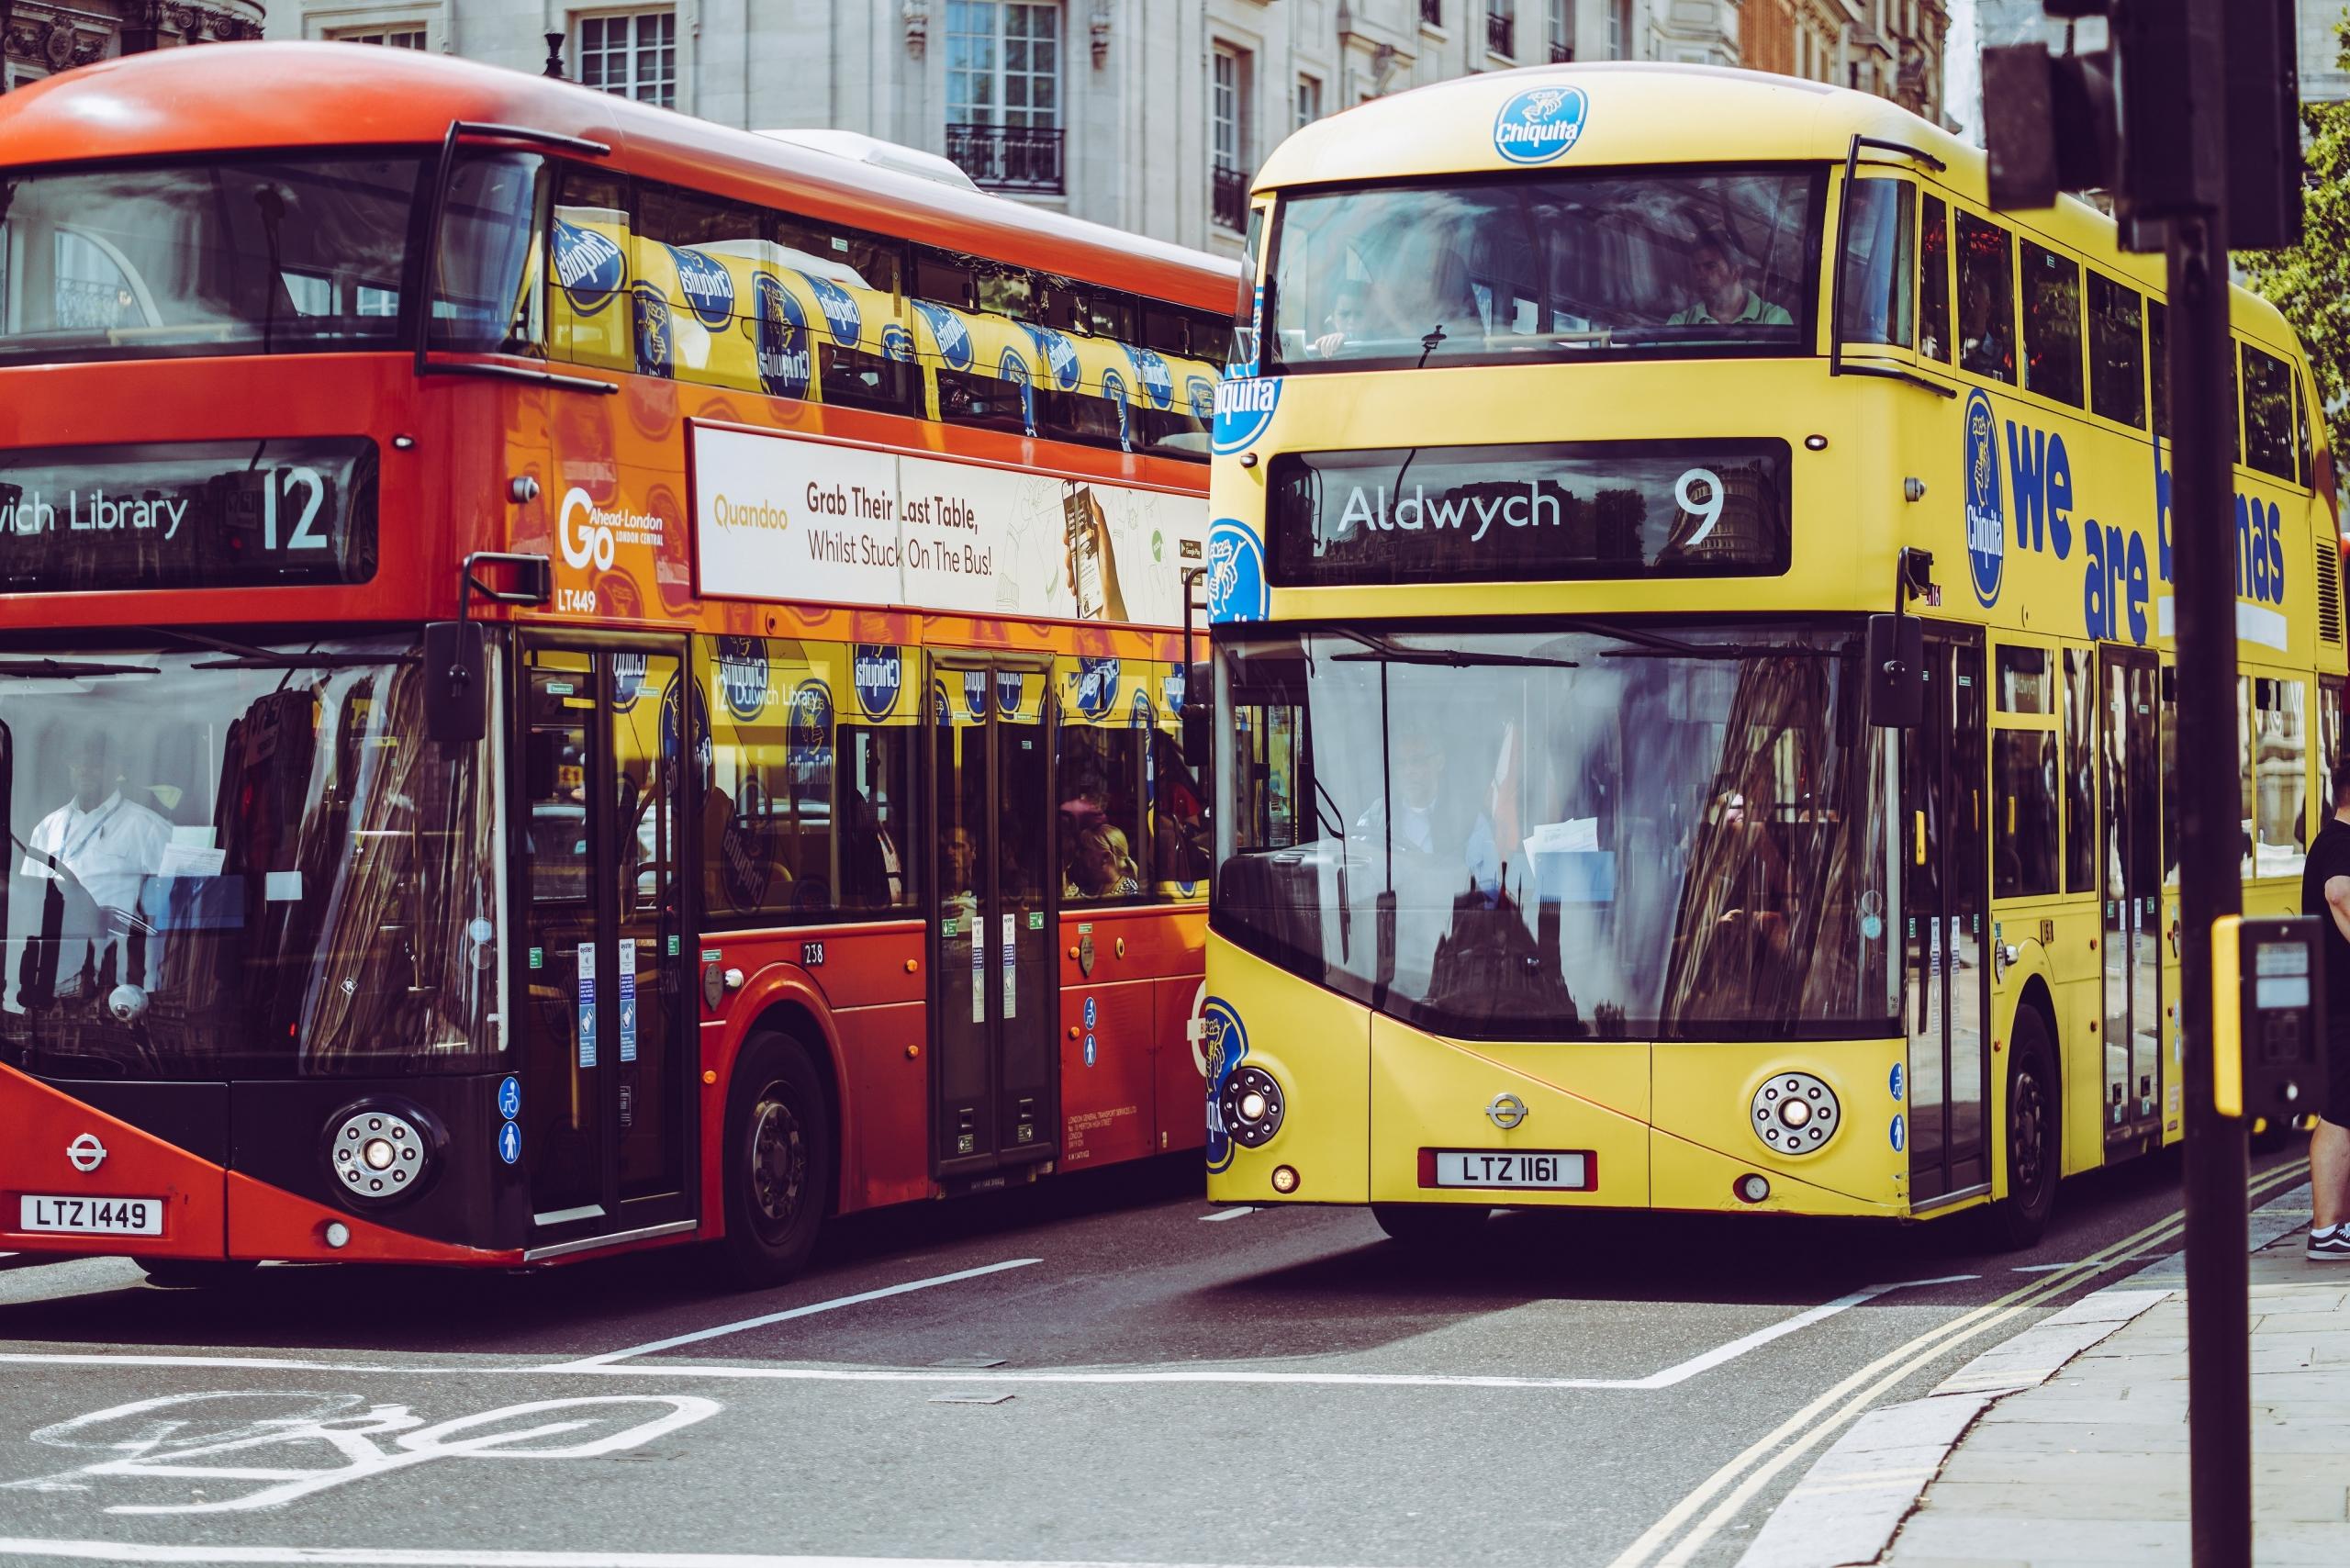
[(1718, 271)]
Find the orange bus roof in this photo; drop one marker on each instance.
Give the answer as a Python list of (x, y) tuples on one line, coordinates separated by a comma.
[(246, 96)]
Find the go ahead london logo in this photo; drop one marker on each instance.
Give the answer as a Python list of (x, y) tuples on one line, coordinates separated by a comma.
[(1236, 589), (1987, 520), (1537, 125)]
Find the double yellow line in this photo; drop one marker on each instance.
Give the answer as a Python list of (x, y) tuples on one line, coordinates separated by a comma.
[(1755, 1469)]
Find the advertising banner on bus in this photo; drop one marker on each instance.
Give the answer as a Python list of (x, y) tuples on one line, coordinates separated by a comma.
[(778, 517)]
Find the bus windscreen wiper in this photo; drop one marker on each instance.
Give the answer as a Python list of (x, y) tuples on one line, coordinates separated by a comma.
[(1386, 650), (259, 660), (68, 668)]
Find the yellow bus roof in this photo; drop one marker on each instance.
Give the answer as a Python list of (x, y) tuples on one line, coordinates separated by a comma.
[(1642, 112)]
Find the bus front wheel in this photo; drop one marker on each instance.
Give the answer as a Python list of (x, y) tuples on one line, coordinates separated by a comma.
[(2035, 1150), (779, 1161), (1432, 1227)]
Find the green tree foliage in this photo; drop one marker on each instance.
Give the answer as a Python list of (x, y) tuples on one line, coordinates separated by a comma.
[(2311, 282)]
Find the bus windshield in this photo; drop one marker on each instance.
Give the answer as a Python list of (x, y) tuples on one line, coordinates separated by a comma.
[(260, 256), (1480, 271), (1564, 834), (238, 864)]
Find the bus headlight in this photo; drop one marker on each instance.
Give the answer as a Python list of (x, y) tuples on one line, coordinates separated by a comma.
[(379, 1151), (1251, 1106), (1794, 1113)]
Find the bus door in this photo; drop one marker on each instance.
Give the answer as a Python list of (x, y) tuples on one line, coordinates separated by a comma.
[(2129, 895), (996, 892), (605, 1028), (1946, 982)]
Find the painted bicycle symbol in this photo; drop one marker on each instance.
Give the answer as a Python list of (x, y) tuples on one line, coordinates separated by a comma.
[(290, 1445)]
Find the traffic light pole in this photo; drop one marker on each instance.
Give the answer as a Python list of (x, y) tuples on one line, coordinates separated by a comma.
[(2203, 537)]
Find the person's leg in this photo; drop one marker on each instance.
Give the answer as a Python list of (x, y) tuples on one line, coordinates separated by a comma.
[(2329, 1175)]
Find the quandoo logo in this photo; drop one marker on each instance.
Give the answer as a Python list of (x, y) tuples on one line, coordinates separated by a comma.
[(841, 314), (1986, 518), (946, 330), (654, 354), (1235, 590), (780, 336), (1537, 126), (1243, 408), (1150, 370), (1057, 355), (708, 286), (743, 675), (1224, 1041), (897, 343), (1097, 686), (807, 733), (589, 266), (878, 671)]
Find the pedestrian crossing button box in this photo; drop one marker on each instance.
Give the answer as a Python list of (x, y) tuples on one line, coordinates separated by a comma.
[(2268, 1035)]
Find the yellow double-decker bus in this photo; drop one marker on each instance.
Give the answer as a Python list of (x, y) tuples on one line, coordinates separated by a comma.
[(1692, 591)]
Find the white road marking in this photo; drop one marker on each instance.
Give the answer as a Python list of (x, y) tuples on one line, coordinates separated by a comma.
[(1230, 1213), (12, 1550), (608, 1366), (698, 1336)]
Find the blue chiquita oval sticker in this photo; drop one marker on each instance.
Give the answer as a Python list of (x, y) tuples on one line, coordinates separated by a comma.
[(1540, 124)]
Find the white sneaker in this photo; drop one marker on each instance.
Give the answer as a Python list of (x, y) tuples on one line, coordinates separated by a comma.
[(2331, 1245)]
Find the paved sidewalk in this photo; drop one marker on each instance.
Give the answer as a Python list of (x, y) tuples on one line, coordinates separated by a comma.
[(2070, 1440)]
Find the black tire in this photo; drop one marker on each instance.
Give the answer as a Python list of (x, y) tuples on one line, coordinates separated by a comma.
[(1432, 1227), (2035, 1137), (778, 1168), (196, 1273)]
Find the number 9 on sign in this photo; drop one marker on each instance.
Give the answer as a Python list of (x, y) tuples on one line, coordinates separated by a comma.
[(1700, 492)]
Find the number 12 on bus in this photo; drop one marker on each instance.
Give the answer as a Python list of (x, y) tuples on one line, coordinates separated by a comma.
[(1692, 672)]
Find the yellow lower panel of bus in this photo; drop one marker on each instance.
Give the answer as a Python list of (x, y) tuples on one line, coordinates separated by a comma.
[(1713, 1103), (1444, 1111), (1315, 1044)]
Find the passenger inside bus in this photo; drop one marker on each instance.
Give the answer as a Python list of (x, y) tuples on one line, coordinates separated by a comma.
[(1432, 814), (1103, 865), (1985, 347), (1717, 273)]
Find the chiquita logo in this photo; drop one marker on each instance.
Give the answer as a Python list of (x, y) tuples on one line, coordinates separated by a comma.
[(1200, 393), (1008, 693), (652, 351), (807, 733), (743, 675), (946, 330), (1235, 587), (1243, 408), (1223, 1042), (781, 340), (1157, 381), (839, 306), (974, 693), (897, 343), (1014, 369), (1986, 518), (1113, 387), (589, 266), (1537, 125), (1097, 686), (1059, 354), (708, 286), (878, 671)]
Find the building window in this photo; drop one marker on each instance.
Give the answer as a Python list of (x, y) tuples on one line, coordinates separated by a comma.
[(633, 56), (1501, 28), (1004, 96), (1432, 13), (1228, 136), (1620, 30), (1563, 30), (1309, 100), (390, 37)]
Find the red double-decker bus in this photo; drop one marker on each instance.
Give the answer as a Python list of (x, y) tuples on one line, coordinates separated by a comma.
[(572, 679)]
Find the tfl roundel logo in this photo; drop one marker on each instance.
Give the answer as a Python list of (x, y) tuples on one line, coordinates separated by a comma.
[(1236, 589), (1986, 519), (1243, 408), (1537, 125), (1223, 1042)]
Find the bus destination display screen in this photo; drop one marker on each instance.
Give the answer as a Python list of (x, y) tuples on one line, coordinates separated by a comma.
[(259, 513), (1529, 513)]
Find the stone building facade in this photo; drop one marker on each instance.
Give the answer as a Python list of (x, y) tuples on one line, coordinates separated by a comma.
[(44, 37), (1892, 48)]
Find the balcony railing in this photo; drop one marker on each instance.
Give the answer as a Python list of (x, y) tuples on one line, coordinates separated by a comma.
[(1500, 34), (1007, 157), (1230, 196), (1561, 53)]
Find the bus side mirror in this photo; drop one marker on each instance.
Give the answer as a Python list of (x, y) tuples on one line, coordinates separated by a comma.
[(456, 682), (1897, 672), (1199, 714)]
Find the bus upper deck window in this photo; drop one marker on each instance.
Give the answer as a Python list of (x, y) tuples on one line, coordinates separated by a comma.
[(2117, 353), (1933, 280), (2269, 413), (2052, 324), (487, 296), (1877, 269), (1987, 299)]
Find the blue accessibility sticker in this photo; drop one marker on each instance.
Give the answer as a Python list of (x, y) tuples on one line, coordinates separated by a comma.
[(509, 1142), (1089, 1012), (1900, 1133), (1895, 1082), (1088, 1051), (510, 1097)]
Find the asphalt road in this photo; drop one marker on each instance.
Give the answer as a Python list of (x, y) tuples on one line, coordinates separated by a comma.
[(1105, 1370)]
